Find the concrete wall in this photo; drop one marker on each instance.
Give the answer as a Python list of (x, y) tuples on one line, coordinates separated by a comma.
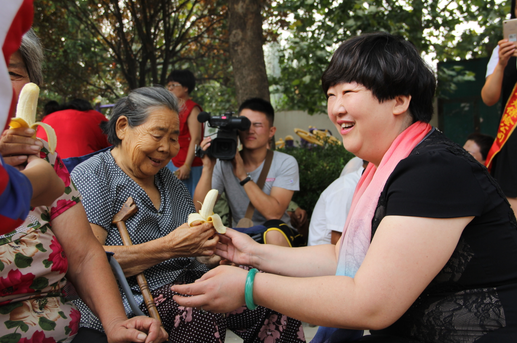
[(287, 121)]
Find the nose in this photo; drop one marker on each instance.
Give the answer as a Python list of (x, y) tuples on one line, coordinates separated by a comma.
[(336, 108), (164, 146)]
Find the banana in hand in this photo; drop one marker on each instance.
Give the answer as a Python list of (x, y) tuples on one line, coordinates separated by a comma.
[(206, 214), (26, 114)]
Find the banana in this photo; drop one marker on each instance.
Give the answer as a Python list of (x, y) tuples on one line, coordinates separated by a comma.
[(26, 114), (206, 213)]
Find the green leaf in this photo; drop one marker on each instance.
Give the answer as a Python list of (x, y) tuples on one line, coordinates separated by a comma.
[(11, 338), (68, 190), (45, 216), (67, 330), (4, 241), (24, 327), (46, 324), (40, 247), (22, 261), (5, 309), (39, 283), (2, 266), (62, 314), (12, 323), (47, 263)]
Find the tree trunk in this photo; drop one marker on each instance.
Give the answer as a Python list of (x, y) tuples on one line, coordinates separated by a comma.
[(247, 56)]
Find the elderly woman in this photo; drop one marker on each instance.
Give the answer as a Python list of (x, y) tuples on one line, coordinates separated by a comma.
[(53, 246), (144, 133), (429, 250)]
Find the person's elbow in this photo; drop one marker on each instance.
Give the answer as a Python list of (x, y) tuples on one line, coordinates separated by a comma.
[(489, 101)]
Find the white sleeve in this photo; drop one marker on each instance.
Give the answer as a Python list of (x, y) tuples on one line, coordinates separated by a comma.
[(492, 63), (332, 208)]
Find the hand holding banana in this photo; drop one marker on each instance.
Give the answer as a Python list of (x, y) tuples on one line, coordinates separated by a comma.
[(206, 213), (26, 114)]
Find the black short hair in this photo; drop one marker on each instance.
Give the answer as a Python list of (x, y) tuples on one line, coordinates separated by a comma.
[(388, 66), (77, 104), (184, 77), (259, 105), (50, 107), (483, 141)]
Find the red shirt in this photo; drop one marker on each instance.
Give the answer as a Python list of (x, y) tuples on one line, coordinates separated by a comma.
[(78, 132), (184, 136)]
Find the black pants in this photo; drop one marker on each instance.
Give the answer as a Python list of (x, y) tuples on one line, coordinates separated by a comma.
[(85, 335)]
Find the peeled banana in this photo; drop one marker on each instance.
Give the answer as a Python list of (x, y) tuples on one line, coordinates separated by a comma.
[(26, 114), (206, 213)]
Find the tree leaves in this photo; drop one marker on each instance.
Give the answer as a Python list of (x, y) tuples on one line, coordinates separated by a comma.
[(319, 26)]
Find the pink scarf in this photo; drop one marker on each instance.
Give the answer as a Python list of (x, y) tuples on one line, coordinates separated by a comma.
[(358, 227)]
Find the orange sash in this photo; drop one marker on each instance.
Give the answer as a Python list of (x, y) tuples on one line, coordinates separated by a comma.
[(506, 127)]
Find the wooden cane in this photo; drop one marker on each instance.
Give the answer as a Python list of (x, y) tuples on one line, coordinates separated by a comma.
[(127, 211)]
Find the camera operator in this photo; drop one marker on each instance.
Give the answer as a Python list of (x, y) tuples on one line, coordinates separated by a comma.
[(238, 176)]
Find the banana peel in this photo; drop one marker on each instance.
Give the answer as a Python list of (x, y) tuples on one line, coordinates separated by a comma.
[(206, 213), (26, 114)]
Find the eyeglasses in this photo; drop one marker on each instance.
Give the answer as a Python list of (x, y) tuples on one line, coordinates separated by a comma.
[(173, 85)]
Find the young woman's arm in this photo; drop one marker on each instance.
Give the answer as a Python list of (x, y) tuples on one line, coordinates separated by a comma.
[(405, 255)]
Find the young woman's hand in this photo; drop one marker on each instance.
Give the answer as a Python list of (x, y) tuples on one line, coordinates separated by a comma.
[(221, 290), (237, 247)]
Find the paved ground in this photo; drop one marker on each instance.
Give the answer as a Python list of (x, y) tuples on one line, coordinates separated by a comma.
[(310, 331)]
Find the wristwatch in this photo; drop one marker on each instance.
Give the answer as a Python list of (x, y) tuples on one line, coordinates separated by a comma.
[(248, 178)]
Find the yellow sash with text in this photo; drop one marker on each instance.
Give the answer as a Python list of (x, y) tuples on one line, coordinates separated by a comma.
[(506, 127)]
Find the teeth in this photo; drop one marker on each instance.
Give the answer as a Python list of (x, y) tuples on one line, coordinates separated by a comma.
[(206, 214), (346, 125)]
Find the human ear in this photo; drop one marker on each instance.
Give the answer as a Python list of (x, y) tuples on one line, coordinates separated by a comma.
[(272, 131), (121, 127), (401, 104)]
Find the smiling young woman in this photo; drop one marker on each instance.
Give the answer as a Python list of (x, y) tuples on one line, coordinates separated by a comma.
[(429, 249)]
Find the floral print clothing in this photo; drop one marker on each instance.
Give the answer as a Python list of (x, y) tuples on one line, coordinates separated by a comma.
[(32, 274)]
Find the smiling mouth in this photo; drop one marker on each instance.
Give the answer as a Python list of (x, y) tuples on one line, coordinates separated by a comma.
[(155, 161), (347, 125)]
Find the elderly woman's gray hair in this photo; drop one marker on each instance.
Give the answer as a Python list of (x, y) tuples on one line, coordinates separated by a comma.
[(32, 55), (137, 107)]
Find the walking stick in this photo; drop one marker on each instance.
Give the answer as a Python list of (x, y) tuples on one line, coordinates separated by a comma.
[(127, 211)]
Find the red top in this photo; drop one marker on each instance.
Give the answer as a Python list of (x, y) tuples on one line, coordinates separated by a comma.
[(78, 132), (184, 137)]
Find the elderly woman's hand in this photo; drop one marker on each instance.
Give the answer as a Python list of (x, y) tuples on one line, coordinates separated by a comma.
[(193, 241), (17, 144), (135, 329)]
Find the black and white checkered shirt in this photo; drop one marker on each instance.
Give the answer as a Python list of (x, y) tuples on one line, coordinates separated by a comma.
[(105, 188)]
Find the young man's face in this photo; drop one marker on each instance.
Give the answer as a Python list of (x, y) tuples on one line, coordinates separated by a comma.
[(260, 131)]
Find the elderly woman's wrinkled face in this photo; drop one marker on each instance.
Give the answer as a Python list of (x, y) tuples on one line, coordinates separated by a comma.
[(147, 148)]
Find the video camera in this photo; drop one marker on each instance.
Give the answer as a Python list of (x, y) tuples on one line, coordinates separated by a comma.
[(225, 127)]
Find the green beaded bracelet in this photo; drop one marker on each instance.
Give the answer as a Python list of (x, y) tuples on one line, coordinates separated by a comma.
[(248, 289)]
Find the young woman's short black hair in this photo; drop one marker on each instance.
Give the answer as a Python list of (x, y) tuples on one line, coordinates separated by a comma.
[(388, 66), (184, 77), (259, 105)]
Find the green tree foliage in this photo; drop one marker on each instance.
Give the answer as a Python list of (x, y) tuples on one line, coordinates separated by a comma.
[(318, 26), (108, 47), (318, 168)]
